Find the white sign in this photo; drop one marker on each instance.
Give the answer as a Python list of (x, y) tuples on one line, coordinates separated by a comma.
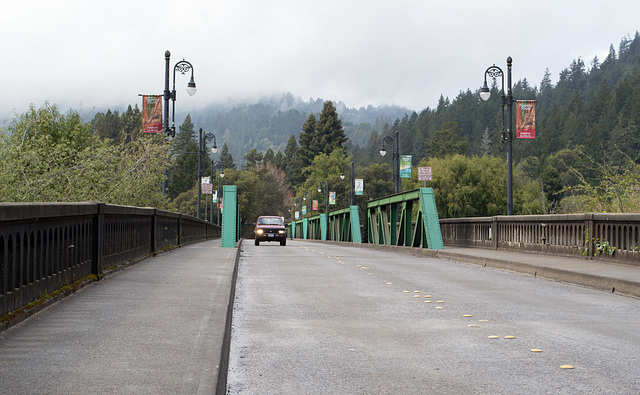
[(207, 189), (424, 173)]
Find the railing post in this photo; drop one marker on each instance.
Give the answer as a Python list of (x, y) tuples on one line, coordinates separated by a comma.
[(590, 232), (494, 232), (154, 232), (97, 247)]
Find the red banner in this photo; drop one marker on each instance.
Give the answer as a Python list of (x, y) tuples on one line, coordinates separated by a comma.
[(526, 119), (152, 113)]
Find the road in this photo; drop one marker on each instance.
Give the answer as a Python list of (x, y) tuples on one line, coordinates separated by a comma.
[(313, 318)]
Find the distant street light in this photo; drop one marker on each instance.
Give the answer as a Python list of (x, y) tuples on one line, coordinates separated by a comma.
[(220, 179), (201, 152), (350, 179), (495, 72), (325, 184), (183, 67), (395, 173)]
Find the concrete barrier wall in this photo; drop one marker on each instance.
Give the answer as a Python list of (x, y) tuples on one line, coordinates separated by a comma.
[(613, 237)]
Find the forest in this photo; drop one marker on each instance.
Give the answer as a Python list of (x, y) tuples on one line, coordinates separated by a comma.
[(585, 157)]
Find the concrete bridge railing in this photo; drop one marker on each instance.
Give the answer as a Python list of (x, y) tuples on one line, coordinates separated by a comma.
[(49, 247), (597, 236)]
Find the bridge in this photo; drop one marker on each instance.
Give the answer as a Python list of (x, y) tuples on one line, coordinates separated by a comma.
[(152, 292)]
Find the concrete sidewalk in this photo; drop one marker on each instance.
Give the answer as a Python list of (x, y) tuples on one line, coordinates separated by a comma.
[(156, 327)]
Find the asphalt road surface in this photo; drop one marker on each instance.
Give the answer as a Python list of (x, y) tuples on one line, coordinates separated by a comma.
[(313, 318)]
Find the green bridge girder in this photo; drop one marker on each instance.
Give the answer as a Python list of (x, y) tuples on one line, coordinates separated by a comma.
[(391, 221), (343, 225)]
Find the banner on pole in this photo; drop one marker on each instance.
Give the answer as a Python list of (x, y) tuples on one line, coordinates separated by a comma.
[(304, 210), (151, 113), (214, 197), (359, 186), (315, 205), (332, 198), (526, 119), (405, 166)]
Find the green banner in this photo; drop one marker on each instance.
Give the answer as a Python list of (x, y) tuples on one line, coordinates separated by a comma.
[(405, 166)]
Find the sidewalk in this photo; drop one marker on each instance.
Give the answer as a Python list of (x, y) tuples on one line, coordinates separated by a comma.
[(623, 279), (156, 327)]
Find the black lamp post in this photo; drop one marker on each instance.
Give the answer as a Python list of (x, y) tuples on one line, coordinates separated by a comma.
[(183, 67), (495, 72), (220, 179), (201, 152), (350, 180), (395, 173), (325, 184), (309, 202), (213, 174)]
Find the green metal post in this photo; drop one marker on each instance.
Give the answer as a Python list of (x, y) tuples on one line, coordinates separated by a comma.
[(229, 216)]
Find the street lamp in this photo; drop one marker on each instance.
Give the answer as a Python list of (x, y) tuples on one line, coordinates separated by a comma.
[(495, 72), (325, 184), (213, 174), (350, 179), (183, 67), (309, 202), (395, 173), (201, 152), (219, 194)]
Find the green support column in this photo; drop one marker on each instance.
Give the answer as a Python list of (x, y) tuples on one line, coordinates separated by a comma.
[(323, 226), (229, 216), (355, 224), (305, 228)]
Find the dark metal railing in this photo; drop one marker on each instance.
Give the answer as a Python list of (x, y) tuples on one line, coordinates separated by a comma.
[(45, 247), (597, 236)]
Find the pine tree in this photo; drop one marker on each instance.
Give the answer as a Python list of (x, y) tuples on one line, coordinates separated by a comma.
[(183, 174), (308, 147), (329, 132), (226, 160)]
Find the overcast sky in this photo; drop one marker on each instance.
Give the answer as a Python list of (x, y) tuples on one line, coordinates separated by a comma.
[(102, 54)]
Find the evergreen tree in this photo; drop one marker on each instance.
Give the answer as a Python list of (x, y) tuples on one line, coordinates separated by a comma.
[(226, 160), (291, 162), (448, 141), (183, 174), (308, 145), (329, 132)]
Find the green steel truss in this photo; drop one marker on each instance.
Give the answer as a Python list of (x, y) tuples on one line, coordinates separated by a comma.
[(391, 220), (344, 225)]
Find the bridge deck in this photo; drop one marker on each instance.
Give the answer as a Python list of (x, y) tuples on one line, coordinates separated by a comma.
[(158, 326)]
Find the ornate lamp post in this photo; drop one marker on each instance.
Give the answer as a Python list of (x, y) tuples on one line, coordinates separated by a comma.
[(183, 67), (395, 174), (201, 152), (325, 185), (219, 194), (350, 180), (495, 72)]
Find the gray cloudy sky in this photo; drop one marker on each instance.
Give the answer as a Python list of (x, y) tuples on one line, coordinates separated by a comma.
[(85, 54)]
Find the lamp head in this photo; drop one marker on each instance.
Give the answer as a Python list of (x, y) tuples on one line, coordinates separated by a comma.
[(214, 149), (383, 151), (191, 87), (342, 176), (222, 174), (485, 93)]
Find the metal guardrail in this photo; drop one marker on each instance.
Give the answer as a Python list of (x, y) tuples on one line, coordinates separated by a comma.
[(597, 236), (45, 247)]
